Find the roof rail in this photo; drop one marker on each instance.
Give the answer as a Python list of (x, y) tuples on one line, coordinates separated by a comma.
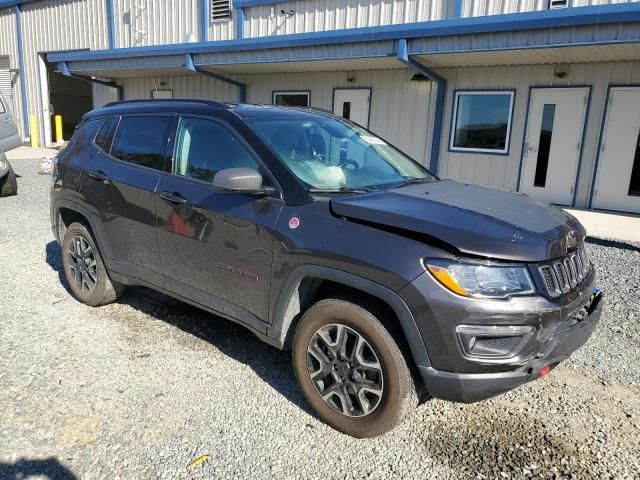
[(211, 103)]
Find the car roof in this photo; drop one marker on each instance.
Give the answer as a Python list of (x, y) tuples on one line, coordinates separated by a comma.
[(204, 107)]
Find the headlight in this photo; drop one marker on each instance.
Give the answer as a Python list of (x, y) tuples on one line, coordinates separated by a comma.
[(481, 280)]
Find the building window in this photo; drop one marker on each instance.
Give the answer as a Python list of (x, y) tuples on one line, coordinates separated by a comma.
[(292, 99), (553, 4), (220, 10), (482, 122)]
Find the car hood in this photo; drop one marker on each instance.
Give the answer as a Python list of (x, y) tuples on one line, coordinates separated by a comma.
[(473, 220)]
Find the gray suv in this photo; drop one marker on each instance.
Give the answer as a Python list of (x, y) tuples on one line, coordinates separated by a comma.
[(389, 285), (9, 139)]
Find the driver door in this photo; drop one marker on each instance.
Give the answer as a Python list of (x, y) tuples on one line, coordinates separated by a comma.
[(216, 247)]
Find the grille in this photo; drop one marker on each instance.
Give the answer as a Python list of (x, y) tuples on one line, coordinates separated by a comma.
[(495, 343), (566, 273)]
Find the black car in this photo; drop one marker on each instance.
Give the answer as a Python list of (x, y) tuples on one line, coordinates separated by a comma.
[(388, 284)]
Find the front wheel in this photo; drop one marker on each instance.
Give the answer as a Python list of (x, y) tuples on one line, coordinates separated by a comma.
[(351, 370)]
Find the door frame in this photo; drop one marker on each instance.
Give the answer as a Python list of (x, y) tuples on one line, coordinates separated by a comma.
[(45, 100), (603, 120), (333, 100), (584, 131)]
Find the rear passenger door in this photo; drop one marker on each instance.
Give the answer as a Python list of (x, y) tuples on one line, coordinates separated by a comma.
[(9, 136), (120, 187), (216, 247)]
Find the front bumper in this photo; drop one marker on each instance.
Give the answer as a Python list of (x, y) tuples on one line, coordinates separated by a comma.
[(473, 387)]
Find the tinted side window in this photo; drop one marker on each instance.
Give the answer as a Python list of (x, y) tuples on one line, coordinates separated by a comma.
[(142, 140), (105, 134), (205, 147)]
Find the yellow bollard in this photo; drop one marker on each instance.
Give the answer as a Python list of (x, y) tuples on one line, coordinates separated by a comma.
[(58, 122), (33, 131)]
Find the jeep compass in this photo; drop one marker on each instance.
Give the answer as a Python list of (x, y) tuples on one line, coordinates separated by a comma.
[(388, 284)]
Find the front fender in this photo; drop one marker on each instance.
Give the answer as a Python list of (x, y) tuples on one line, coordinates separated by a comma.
[(287, 306)]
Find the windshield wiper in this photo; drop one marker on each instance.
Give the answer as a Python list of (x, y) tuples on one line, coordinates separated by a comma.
[(412, 180), (339, 190)]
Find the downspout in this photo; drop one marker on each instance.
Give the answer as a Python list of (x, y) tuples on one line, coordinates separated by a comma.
[(239, 23), (63, 68), (192, 67), (23, 80), (111, 25), (204, 20), (441, 84)]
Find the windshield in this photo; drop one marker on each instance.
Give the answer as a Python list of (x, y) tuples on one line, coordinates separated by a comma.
[(331, 154)]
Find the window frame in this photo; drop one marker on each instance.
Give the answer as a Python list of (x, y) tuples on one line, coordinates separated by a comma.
[(454, 117), (275, 93), (174, 145), (168, 148)]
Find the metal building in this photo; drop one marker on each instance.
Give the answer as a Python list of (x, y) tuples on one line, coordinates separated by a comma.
[(540, 96)]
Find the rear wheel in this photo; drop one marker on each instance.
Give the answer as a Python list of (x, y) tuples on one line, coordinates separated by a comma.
[(8, 184), (85, 270), (351, 370)]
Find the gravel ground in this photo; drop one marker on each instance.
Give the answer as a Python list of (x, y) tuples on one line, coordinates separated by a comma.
[(142, 388)]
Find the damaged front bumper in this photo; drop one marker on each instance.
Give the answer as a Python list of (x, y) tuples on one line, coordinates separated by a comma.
[(567, 337)]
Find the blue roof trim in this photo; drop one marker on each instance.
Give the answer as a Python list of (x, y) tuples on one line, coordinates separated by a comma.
[(14, 3), (254, 3), (616, 13)]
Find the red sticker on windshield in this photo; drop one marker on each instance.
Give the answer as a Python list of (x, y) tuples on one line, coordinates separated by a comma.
[(294, 223)]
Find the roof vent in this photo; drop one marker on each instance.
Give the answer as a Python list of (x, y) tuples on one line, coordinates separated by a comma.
[(220, 10)]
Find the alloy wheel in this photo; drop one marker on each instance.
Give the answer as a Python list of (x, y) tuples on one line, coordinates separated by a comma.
[(345, 370), (82, 264)]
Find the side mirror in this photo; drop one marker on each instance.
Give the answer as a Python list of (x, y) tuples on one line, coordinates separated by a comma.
[(239, 180)]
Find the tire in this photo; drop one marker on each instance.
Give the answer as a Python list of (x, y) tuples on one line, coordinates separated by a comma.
[(393, 394), (9, 184), (86, 274)]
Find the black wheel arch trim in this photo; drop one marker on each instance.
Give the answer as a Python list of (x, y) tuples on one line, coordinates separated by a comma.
[(282, 317), (61, 203)]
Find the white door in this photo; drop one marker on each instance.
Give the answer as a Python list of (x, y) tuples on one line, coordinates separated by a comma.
[(353, 103), (552, 143), (618, 177), (45, 139)]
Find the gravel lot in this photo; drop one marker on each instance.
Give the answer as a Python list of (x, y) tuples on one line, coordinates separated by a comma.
[(143, 388)]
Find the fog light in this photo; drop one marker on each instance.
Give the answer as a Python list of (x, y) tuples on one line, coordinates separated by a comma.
[(544, 371)]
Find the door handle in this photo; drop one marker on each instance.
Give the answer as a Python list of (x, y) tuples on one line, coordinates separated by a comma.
[(173, 197), (99, 175)]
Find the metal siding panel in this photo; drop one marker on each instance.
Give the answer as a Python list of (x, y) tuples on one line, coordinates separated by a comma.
[(156, 22), (480, 8), (324, 15), (9, 48), (183, 86), (84, 25)]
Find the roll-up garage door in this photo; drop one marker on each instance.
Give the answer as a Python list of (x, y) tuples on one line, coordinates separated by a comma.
[(5, 82)]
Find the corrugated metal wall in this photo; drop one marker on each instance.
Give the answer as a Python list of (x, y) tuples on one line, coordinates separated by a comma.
[(478, 8), (319, 15), (156, 22), (502, 171), (183, 86), (9, 48), (50, 26)]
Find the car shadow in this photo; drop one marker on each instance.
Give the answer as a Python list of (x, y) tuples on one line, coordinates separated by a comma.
[(48, 468), (270, 364), (613, 244)]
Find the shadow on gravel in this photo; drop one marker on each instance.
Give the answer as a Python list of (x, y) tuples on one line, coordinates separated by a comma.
[(272, 365), (54, 260), (49, 468), (612, 243)]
